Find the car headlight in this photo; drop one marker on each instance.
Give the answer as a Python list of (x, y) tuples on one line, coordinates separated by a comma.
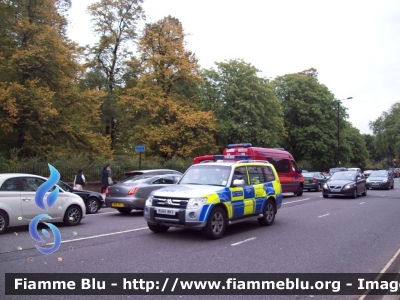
[(348, 186), (195, 203), (149, 201), (325, 186)]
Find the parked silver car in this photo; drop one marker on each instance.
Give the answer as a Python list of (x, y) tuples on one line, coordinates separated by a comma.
[(18, 207), (132, 193)]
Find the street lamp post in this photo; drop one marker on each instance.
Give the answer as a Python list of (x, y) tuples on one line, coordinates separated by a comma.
[(338, 129)]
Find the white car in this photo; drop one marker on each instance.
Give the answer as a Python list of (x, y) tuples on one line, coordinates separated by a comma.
[(18, 207)]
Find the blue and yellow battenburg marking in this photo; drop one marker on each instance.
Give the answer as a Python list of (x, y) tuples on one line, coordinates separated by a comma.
[(241, 201)]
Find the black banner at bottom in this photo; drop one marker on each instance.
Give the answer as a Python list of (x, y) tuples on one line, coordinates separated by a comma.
[(202, 284)]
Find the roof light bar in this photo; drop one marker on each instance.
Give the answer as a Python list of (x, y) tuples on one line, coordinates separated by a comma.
[(239, 145), (231, 157)]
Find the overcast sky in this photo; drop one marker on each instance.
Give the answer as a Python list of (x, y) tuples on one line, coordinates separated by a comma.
[(353, 44)]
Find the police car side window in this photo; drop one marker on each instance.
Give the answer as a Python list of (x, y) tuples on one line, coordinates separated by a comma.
[(253, 174), (268, 173), (241, 173)]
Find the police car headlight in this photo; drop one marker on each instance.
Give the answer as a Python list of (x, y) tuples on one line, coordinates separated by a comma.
[(367, 180), (325, 186), (149, 201), (195, 203)]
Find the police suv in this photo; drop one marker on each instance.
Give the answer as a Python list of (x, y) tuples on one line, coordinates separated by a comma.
[(212, 195)]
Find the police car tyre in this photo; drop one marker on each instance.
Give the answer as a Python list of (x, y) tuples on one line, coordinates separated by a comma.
[(268, 214), (216, 224), (325, 196), (158, 228), (124, 211), (3, 222), (300, 191), (92, 205), (73, 215)]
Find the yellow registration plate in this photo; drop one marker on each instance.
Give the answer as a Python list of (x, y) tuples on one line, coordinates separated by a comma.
[(117, 204)]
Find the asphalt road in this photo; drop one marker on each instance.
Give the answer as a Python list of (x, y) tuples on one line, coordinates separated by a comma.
[(310, 235)]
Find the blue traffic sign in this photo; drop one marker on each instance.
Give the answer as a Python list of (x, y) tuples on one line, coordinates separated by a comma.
[(139, 148)]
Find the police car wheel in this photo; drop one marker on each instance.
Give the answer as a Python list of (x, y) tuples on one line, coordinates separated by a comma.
[(157, 228), (216, 224), (268, 214)]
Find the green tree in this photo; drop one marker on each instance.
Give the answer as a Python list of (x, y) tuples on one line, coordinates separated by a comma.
[(386, 129), (115, 22), (159, 109), (43, 111), (310, 116), (244, 104)]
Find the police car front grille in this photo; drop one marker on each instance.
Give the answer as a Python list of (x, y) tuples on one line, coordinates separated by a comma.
[(170, 202)]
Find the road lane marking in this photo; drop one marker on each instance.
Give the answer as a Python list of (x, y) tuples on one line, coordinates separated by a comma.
[(361, 203), (323, 216), (97, 236), (102, 213), (297, 201), (385, 268), (244, 241)]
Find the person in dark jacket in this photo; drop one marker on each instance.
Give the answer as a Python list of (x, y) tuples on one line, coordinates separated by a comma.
[(79, 180), (104, 180)]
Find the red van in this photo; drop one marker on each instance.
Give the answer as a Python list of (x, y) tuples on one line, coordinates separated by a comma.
[(289, 174)]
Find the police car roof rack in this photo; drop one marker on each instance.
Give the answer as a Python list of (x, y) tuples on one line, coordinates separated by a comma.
[(246, 161), (207, 161)]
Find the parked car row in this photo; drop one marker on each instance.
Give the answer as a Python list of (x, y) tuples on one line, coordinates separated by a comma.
[(18, 206)]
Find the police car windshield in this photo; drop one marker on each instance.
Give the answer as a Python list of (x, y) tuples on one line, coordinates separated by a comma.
[(207, 175)]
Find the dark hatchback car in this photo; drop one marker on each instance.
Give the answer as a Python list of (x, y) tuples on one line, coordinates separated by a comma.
[(132, 193), (380, 179), (334, 170), (93, 200), (345, 183), (131, 174), (313, 181)]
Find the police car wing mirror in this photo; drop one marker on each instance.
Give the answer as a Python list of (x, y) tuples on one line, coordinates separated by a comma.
[(238, 182)]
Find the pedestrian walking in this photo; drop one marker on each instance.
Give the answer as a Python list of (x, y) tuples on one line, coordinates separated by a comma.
[(105, 180), (79, 180)]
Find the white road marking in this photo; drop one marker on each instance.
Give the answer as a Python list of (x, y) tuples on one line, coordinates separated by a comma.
[(323, 216), (103, 213), (97, 236), (385, 268), (241, 242), (297, 201), (361, 202)]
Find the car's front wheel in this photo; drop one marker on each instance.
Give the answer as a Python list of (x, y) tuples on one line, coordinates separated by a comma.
[(216, 224), (268, 214), (355, 193), (3, 221), (365, 191), (125, 210), (300, 190), (92, 205), (73, 215), (158, 228), (318, 189)]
